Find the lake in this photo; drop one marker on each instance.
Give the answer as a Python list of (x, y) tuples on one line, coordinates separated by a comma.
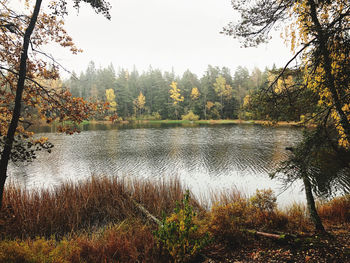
[(204, 157)]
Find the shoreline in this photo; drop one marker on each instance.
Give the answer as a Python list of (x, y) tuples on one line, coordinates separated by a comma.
[(185, 122)]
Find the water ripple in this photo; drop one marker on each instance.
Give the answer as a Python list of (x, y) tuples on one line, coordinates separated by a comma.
[(211, 155)]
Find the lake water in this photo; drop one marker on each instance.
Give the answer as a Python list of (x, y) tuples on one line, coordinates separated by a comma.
[(205, 158)]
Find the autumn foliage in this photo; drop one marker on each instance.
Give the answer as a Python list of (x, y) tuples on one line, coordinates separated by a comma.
[(44, 96)]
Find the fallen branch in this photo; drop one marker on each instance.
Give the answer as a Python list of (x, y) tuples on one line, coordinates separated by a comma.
[(145, 212), (271, 235)]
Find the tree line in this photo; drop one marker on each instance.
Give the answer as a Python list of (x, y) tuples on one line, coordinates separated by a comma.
[(217, 94)]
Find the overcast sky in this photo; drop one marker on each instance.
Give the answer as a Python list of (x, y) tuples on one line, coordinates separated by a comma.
[(183, 34)]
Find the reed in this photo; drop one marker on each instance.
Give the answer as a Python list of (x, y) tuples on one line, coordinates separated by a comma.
[(336, 210), (101, 201), (87, 205), (98, 220)]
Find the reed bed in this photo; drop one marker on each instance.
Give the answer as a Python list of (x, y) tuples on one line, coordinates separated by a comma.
[(88, 205), (336, 210), (98, 220), (100, 201)]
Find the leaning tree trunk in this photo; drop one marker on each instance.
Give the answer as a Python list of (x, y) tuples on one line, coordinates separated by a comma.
[(330, 79), (5, 155), (311, 206)]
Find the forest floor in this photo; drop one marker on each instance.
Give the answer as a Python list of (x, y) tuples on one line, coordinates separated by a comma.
[(334, 247)]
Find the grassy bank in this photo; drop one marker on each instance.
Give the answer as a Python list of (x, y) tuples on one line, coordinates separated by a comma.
[(93, 124), (100, 220), (218, 122)]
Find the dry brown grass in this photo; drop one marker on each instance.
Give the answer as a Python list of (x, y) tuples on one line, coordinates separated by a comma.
[(297, 217), (97, 220), (101, 201), (88, 205), (128, 241), (336, 210)]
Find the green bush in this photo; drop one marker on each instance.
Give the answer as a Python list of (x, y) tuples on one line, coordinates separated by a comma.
[(180, 235)]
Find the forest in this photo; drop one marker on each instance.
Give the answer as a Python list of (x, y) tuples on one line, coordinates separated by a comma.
[(218, 94)]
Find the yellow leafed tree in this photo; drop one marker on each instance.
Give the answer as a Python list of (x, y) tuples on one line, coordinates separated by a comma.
[(194, 97), (223, 90), (110, 96), (209, 105), (140, 102), (318, 33), (175, 95), (282, 83), (195, 93)]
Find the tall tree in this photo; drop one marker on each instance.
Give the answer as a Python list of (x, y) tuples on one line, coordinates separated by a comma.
[(224, 91), (176, 96), (139, 103), (18, 69), (124, 96), (194, 98), (318, 31), (241, 82), (110, 97)]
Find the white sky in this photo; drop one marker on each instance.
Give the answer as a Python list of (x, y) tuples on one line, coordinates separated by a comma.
[(183, 34)]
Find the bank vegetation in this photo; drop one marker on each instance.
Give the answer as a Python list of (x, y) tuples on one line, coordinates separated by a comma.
[(107, 219)]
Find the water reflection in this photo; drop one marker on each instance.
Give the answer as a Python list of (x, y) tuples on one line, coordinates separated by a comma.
[(203, 157)]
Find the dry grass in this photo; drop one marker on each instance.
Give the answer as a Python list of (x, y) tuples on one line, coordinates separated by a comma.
[(128, 241), (88, 205), (336, 210), (97, 220), (297, 217)]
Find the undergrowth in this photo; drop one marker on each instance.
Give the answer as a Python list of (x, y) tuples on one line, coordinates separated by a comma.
[(98, 221)]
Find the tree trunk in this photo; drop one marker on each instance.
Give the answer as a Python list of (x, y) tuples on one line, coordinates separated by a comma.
[(222, 107), (311, 206), (205, 106), (5, 155), (330, 81)]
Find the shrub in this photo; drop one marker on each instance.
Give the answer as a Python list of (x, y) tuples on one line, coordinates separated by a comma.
[(190, 116), (39, 250), (229, 222), (226, 222), (263, 212), (180, 235), (156, 116), (264, 200)]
